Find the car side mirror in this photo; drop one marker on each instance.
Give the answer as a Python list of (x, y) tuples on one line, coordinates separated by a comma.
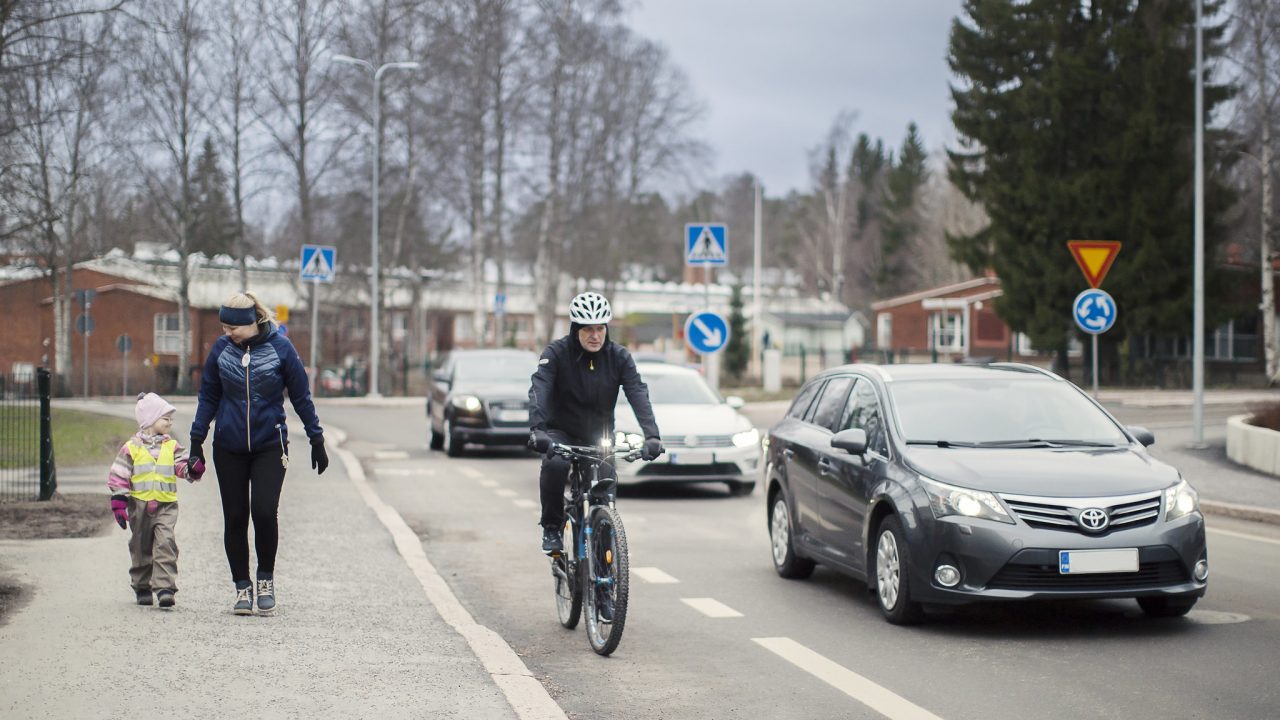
[(735, 402), (853, 441), (1142, 435)]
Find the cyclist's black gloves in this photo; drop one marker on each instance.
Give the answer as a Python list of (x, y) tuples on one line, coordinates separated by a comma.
[(652, 449), (540, 441)]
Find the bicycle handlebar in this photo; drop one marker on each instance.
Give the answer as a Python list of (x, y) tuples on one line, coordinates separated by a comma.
[(591, 452)]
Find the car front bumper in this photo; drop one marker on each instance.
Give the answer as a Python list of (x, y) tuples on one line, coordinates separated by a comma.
[(689, 465), (490, 435), (998, 561)]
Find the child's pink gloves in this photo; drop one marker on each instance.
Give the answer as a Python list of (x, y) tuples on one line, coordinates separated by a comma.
[(121, 510)]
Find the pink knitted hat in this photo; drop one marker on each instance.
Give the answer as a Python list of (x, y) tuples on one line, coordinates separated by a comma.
[(151, 407)]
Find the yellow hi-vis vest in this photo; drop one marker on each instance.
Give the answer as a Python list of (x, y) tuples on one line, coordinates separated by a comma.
[(154, 478)]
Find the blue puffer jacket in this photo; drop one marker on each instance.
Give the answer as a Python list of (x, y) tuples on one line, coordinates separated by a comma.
[(242, 391)]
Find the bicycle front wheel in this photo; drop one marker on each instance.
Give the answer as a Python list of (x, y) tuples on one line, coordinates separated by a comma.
[(564, 573), (605, 571)]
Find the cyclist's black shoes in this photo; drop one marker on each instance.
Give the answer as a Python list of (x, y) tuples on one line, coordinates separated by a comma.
[(551, 542)]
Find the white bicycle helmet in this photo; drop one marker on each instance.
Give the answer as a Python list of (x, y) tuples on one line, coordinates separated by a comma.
[(590, 308)]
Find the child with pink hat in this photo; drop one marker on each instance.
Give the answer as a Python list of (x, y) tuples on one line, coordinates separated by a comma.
[(144, 497)]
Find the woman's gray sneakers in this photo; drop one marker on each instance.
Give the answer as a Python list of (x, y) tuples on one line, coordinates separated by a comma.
[(244, 599), (266, 596)]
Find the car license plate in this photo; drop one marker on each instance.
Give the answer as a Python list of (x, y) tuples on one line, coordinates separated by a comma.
[(513, 416), (1079, 562)]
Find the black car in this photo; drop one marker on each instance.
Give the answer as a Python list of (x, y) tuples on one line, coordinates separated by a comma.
[(480, 397), (949, 484)]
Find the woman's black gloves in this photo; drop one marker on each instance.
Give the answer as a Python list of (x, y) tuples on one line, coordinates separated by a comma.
[(319, 458)]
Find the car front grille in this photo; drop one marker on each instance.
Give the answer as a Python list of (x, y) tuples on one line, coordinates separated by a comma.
[(697, 441), (1126, 512), (660, 470), (1047, 578), (497, 406)]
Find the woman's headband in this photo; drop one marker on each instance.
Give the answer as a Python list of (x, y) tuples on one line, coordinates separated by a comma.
[(238, 316)]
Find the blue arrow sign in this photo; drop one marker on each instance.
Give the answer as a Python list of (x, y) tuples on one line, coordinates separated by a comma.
[(706, 332), (706, 244), (1094, 311), (318, 262)]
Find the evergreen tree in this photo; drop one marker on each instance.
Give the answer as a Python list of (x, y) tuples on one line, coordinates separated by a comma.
[(738, 351), (1076, 122), (901, 216), (214, 224)]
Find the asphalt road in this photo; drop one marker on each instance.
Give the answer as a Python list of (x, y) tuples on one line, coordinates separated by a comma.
[(816, 648)]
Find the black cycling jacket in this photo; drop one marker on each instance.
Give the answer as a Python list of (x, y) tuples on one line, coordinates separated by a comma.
[(575, 391)]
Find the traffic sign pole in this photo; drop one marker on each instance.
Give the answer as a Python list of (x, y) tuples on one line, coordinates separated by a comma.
[(315, 336), (1095, 366), (87, 304)]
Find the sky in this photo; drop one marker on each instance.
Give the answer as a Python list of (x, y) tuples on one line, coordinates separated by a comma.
[(775, 74)]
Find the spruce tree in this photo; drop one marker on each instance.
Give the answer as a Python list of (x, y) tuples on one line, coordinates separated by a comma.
[(214, 224), (738, 351), (1076, 122), (901, 217)]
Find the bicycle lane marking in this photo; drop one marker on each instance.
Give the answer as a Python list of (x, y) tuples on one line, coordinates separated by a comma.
[(874, 696), (528, 698), (711, 607)]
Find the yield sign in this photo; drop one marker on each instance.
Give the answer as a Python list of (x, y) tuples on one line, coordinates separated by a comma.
[(1094, 258)]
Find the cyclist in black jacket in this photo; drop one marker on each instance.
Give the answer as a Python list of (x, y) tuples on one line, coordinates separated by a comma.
[(571, 401)]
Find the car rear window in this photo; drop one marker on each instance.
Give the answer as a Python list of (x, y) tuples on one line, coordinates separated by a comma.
[(998, 410)]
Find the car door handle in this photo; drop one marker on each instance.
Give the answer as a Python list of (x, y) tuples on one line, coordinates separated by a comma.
[(788, 453), (826, 467)]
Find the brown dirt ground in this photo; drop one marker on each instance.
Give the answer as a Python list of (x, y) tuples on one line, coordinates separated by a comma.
[(65, 516)]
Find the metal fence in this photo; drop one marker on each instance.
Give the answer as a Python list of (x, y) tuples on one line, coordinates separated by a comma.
[(26, 437)]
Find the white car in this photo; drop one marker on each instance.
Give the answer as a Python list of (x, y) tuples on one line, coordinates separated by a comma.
[(706, 438)]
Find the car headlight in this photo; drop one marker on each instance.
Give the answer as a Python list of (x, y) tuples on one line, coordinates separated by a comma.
[(467, 403), (747, 438), (951, 500), (627, 440), (1179, 500)]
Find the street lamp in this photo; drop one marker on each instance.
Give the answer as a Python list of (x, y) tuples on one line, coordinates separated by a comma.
[(374, 331)]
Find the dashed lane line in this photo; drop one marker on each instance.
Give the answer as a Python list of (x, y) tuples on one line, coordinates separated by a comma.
[(391, 455), (470, 472), (878, 698), (403, 471), (489, 483), (653, 575), (525, 503), (505, 492), (711, 607)]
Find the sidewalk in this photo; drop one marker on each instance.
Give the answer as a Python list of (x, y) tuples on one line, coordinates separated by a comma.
[(355, 635)]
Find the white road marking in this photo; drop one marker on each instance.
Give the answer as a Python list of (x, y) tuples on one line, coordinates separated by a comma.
[(711, 607), (526, 695), (505, 492), (489, 483), (471, 472), (525, 503), (1244, 536), (391, 455), (402, 471), (653, 575), (845, 680)]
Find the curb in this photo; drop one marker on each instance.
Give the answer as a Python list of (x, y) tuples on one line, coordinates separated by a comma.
[(1240, 512)]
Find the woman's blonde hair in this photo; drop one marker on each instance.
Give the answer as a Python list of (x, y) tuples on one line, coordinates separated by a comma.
[(248, 299)]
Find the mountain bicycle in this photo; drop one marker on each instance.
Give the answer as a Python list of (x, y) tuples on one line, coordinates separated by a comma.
[(593, 572)]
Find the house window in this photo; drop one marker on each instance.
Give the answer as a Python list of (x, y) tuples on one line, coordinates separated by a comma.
[(168, 338), (399, 327), (948, 329), (884, 330)]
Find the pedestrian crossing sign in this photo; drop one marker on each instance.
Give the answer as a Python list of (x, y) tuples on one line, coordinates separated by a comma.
[(318, 263), (706, 244)]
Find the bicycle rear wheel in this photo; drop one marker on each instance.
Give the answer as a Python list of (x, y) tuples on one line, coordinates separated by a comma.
[(568, 589), (605, 570)]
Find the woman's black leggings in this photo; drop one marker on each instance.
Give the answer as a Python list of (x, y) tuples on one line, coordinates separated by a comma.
[(237, 473)]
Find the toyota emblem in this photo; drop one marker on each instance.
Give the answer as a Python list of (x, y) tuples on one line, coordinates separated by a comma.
[(1093, 519)]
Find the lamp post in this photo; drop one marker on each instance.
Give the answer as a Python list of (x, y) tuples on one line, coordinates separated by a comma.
[(375, 330), (1197, 313)]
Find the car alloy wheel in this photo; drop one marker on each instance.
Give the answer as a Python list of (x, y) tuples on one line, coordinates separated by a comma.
[(780, 532), (888, 570)]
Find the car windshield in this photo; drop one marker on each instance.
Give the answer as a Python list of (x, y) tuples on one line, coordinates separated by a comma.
[(999, 411), (495, 368), (676, 388)]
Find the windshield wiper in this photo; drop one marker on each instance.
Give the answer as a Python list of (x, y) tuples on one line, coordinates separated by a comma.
[(943, 443), (1042, 442)]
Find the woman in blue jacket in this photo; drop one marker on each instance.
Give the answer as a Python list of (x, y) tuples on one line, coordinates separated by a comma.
[(242, 392)]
